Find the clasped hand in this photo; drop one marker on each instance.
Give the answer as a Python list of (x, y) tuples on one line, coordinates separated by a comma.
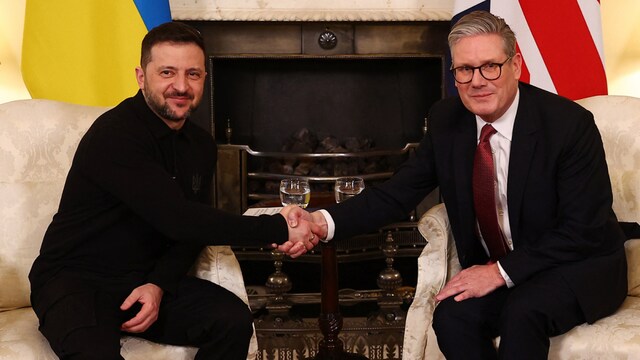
[(305, 230)]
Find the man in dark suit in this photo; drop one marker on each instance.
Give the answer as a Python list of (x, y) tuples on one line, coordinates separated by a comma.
[(559, 259)]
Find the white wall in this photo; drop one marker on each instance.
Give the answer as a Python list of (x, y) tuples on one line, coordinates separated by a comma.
[(620, 22), (620, 31), (11, 25)]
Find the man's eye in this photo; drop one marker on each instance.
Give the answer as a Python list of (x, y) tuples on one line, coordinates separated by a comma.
[(166, 73), (490, 66), (195, 75), (465, 69)]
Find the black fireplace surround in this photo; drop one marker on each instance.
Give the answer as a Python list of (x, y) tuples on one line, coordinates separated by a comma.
[(268, 80)]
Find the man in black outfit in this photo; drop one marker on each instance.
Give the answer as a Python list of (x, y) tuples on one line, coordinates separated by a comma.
[(135, 213), (559, 258)]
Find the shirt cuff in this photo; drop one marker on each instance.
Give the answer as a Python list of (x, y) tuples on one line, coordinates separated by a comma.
[(331, 226), (505, 276)]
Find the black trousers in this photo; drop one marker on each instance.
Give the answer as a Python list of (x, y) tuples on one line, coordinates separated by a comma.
[(524, 317), (85, 324)]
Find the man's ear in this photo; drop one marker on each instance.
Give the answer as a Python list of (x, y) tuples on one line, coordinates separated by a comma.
[(517, 65), (140, 77)]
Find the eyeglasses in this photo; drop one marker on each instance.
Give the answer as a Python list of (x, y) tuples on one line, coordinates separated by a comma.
[(490, 71)]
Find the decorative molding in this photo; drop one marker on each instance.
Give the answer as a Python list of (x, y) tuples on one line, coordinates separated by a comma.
[(309, 10)]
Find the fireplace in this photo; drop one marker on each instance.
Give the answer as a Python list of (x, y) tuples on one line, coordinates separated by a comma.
[(372, 81)]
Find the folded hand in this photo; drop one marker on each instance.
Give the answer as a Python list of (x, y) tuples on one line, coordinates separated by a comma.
[(473, 282), (150, 296)]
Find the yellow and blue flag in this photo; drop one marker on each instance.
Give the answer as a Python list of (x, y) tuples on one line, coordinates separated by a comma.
[(85, 51)]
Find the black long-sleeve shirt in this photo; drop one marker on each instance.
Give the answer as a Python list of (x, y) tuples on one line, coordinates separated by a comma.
[(137, 201)]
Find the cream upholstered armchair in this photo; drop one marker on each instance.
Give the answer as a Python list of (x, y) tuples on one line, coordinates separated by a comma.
[(614, 337), (38, 139)]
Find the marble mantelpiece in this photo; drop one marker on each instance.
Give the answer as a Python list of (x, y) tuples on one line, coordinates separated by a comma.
[(312, 10)]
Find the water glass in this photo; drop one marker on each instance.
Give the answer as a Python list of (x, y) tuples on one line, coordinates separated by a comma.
[(348, 187), (295, 191)]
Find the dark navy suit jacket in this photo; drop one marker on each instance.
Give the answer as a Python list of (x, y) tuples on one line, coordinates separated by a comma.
[(558, 191)]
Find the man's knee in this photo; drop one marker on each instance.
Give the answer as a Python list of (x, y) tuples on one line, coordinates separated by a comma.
[(239, 322), (445, 319), (450, 311), (475, 315), (232, 324), (550, 315), (77, 329), (440, 318), (81, 344), (209, 313)]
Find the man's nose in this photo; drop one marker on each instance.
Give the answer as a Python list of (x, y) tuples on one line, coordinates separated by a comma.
[(476, 78), (181, 83)]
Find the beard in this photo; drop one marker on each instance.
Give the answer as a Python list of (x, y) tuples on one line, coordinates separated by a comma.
[(161, 108)]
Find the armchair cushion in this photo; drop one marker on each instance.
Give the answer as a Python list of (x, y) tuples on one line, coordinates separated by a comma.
[(632, 248), (618, 120), (20, 338), (37, 141), (627, 201)]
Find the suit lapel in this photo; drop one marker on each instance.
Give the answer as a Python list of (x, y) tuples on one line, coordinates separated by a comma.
[(523, 144), (464, 147)]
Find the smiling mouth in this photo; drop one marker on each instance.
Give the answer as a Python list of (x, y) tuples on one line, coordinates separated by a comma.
[(180, 100), (179, 95), (481, 96)]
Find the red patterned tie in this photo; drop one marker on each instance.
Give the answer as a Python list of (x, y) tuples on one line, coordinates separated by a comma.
[(484, 196)]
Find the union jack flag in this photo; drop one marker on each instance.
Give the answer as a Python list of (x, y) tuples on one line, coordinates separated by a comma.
[(560, 42)]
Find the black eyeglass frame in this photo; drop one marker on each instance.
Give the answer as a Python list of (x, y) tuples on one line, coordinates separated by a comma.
[(479, 68)]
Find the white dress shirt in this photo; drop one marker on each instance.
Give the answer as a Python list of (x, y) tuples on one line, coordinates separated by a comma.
[(501, 150)]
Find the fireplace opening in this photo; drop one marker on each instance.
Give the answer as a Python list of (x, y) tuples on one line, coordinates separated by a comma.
[(276, 116), (264, 100)]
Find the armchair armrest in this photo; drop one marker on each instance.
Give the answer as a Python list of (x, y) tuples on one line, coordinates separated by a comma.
[(437, 263), (632, 249), (219, 265)]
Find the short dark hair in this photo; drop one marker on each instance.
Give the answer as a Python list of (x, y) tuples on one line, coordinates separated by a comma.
[(172, 32)]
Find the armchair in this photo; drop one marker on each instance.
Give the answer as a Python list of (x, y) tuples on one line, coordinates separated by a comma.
[(38, 139), (614, 337)]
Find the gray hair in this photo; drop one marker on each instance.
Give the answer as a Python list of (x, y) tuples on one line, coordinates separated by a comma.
[(483, 22)]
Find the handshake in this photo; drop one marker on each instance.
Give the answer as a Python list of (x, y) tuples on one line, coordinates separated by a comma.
[(305, 230)]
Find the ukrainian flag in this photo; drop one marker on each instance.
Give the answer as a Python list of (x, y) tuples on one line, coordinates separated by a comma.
[(85, 51)]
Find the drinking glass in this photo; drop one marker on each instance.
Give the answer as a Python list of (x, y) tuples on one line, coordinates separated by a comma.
[(295, 191), (348, 187)]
